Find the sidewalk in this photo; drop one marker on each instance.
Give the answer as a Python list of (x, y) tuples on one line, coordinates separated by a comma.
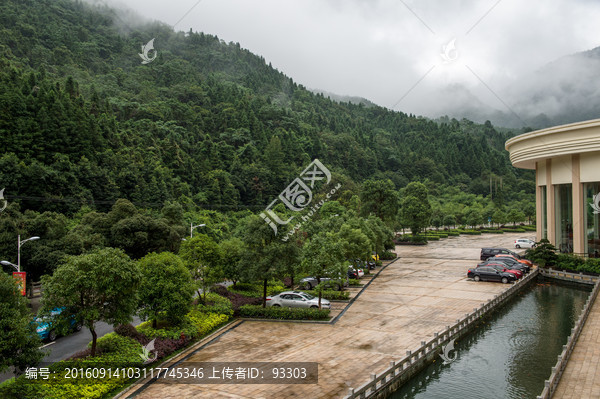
[(414, 297), (581, 378)]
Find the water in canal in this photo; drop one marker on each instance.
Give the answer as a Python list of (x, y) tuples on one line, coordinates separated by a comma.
[(511, 353)]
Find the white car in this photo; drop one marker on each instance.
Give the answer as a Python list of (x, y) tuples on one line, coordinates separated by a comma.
[(524, 243), (297, 299)]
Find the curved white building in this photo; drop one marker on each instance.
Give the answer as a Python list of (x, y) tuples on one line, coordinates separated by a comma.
[(567, 164)]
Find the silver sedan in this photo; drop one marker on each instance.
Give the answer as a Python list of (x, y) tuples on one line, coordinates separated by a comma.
[(297, 299)]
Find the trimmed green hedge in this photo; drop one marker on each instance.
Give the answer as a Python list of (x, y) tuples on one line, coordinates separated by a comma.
[(331, 295), (353, 282), (529, 228), (489, 231), (432, 238), (195, 325), (514, 230), (387, 255), (470, 232), (258, 312), (256, 290), (576, 264)]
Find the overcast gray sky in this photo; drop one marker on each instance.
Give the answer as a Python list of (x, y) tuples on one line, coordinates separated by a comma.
[(380, 49)]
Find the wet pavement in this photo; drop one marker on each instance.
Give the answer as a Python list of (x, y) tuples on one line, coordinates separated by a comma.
[(419, 294)]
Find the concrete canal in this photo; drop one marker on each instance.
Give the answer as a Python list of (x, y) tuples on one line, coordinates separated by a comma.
[(510, 353)]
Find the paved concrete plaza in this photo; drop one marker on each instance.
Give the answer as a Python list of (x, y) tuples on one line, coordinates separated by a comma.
[(414, 297), (581, 378)]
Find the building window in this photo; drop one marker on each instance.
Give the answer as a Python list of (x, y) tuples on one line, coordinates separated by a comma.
[(563, 201), (592, 220), (544, 226)]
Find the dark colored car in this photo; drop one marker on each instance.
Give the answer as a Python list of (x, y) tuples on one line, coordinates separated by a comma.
[(490, 252), (511, 263), (489, 273), (353, 274), (504, 268)]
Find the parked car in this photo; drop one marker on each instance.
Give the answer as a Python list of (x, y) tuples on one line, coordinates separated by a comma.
[(47, 327), (361, 272), (524, 243), (511, 263), (308, 283), (489, 273), (353, 274), (297, 299), (504, 268), (489, 252), (517, 258), (375, 256)]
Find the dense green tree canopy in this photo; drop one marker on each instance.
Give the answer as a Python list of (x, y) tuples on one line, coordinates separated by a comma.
[(98, 286), (18, 341)]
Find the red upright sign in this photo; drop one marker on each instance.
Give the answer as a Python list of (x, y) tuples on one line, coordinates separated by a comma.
[(20, 277)]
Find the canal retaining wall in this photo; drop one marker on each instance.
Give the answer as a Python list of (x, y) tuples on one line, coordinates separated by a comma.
[(557, 371), (384, 384)]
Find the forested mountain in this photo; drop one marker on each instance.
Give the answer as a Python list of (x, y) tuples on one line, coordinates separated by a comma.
[(207, 123)]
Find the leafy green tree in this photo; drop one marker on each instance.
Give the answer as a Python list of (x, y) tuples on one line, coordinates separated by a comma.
[(260, 262), (415, 210), (380, 198), (381, 234), (98, 286), (544, 254), (499, 217), (203, 258), (356, 245), (166, 288), (515, 216), (233, 251), (19, 342), (449, 220), (332, 208), (322, 256)]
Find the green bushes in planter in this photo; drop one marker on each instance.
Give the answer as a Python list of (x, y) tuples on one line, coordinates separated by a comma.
[(470, 232), (489, 231), (353, 282), (387, 255), (256, 290), (258, 312), (331, 295)]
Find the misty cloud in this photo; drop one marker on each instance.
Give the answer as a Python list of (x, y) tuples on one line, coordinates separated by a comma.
[(389, 51)]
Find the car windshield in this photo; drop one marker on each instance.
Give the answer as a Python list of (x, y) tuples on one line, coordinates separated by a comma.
[(308, 296)]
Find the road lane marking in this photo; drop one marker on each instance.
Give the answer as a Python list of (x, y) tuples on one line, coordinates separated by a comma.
[(48, 344)]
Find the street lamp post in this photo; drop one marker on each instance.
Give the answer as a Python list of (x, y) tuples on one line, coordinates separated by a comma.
[(19, 243), (7, 263), (192, 227)]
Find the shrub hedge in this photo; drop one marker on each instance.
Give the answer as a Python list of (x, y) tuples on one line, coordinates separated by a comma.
[(470, 232), (331, 295), (388, 255), (258, 312), (256, 290)]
